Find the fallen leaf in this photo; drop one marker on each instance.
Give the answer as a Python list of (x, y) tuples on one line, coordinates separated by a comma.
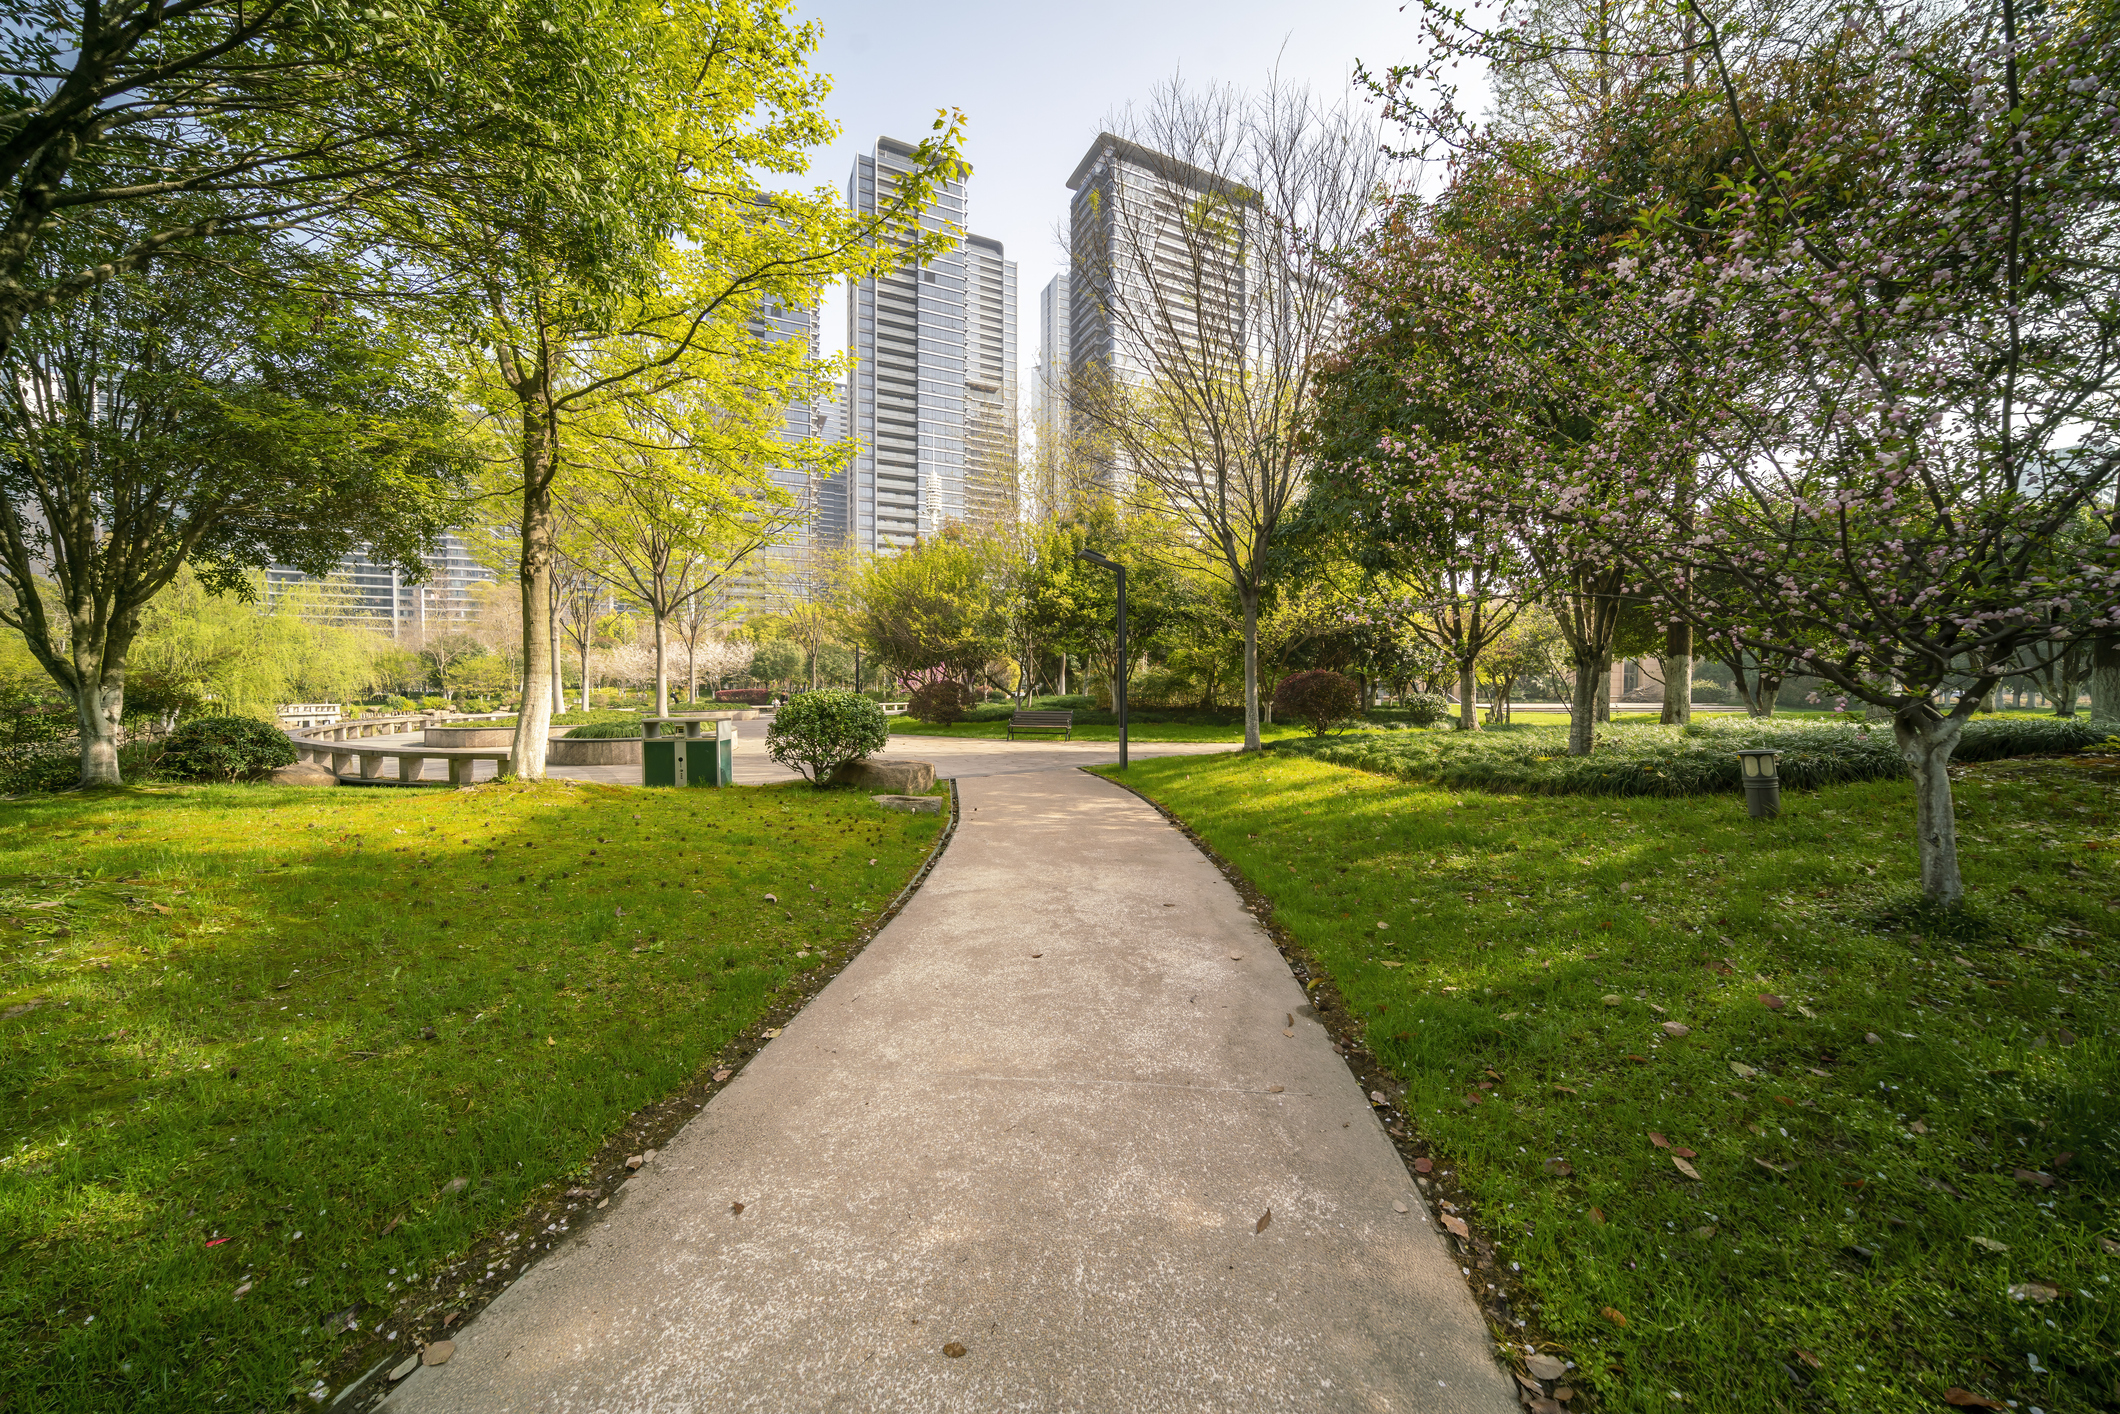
[(1771, 1002), (1685, 1168), (1394, 964), (244, 1290), (1289, 1032), (2032, 1178), (1772, 1168), (1675, 1029), (1597, 1215), (1871, 1038), (1376, 1097), (736, 1210), (451, 1319), (1424, 1165), (1474, 1097), (1685, 1153), (1563, 1090), (1037, 954), (1398, 1205), (1545, 1367), (1275, 1089), (1291, 1019), (1236, 957), (1918, 1127), (339, 1321), (2037, 1291), (1808, 1358), (771, 1032), (1456, 1227), (1613, 1316), (772, 898), (1264, 1218), (720, 1075), (1990, 1244), (1658, 1140), (1704, 1233), (1741, 1070), (390, 1227), (1966, 1399), (1558, 1167), (438, 1353), (1613, 999), (954, 1350), (2109, 1247)]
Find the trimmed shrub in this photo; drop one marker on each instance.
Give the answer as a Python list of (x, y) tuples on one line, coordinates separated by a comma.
[(819, 732), (940, 703), (745, 696), (1321, 699), (1647, 759), (605, 731), (224, 749), (1425, 709)]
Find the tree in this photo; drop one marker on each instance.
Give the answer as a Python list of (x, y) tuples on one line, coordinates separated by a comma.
[(194, 416), (138, 133), (1214, 261), (645, 289), (925, 611)]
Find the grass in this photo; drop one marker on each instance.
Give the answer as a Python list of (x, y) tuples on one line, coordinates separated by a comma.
[(1872, 1224), (215, 1070), (1646, 759)]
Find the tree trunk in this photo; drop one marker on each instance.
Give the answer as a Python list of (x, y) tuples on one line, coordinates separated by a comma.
[(1248, 595), (662, 669), (2105, 684), (1926, 740), (1769, 692), (1468, 690), (1677, 667), (1987, 699), (526, 756), (1582, 710), (1604, 690), (99, 707), (559, 681)]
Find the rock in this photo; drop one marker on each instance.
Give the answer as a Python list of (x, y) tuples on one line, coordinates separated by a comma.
[(878, 773), (911, 804), (412, 1362), (438, 1353), (302, 773)]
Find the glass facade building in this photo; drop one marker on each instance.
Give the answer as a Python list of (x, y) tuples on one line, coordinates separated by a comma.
[(360, 590), (990, 483)]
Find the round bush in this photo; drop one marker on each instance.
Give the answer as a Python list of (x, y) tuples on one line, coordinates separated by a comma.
[(1425, 709), (940, 703), (1321, 699), (224, 749), (818, 732)]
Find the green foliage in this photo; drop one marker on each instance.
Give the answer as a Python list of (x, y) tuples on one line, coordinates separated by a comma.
[(1424, 709), (1646, 759), (818, 732), (939, 703), (776, 660), (605, 731), (224, 749), (1914, 1095), (1324, 700)]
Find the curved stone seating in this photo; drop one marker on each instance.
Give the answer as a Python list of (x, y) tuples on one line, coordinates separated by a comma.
[(334, 748)]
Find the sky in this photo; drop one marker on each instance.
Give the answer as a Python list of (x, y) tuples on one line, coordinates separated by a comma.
[(1037, 83)]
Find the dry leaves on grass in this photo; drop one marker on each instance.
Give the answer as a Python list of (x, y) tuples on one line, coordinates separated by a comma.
[(1966, 1399), (1612, 1314), (1685, 1168), (1545, 1367), (1456, 1226)]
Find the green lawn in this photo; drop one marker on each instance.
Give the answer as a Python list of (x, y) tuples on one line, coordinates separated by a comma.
[(251, 1038), (1908, 1146)]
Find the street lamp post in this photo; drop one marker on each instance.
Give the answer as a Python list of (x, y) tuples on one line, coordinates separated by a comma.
[(1119, 676)]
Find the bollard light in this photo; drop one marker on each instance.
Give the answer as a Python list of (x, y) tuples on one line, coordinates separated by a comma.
[(1762, 782)]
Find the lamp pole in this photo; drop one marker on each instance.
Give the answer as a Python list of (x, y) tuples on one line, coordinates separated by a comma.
[(1119, 676)]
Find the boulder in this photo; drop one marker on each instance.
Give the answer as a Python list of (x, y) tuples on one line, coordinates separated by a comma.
[(911, 804), (302, 773), (881, 774)]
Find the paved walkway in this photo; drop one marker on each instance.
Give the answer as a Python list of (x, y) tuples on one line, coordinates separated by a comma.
[(1040, 1116)]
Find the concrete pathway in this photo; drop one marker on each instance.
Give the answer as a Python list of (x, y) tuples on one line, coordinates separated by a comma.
[(1040, 1116)]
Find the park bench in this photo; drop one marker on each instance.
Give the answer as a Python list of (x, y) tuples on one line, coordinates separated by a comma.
[(1042, 722)]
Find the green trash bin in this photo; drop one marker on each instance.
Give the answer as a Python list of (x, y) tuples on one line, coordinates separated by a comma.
[(663, 761), (687, 751)]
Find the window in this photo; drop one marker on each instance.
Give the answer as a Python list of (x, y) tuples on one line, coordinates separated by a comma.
[(1633, 676)]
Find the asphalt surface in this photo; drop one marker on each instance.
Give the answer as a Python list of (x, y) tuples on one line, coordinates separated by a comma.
[(1064, 1137)]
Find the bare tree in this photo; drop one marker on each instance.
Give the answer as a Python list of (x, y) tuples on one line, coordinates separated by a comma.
[(1206, 235)]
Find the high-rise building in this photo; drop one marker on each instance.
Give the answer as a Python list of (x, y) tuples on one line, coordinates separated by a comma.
[(1153, 286), (361, 590), (905, 400), (1051, 414), (991, 437)]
